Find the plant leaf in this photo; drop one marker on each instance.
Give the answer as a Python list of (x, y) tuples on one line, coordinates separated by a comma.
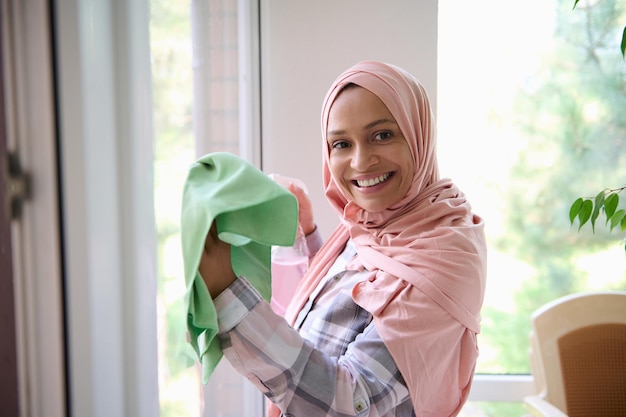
[(617, 218), (623, 225), (610, 205), (596, 210), (575, 209), (585, 213), (623, 47), (575, 3)]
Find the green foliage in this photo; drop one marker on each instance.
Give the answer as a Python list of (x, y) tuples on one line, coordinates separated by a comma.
[(500, 331), (607, 201), (622, 43), (587, 209), (502, 409)]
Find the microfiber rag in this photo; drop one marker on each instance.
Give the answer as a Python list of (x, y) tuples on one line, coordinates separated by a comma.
[(252, 213)]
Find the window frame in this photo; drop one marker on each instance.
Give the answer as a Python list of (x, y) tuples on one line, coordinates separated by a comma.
[(104, 116)]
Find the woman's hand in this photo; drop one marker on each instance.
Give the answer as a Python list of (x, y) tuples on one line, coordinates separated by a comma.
[(305, 209), (215, 265)]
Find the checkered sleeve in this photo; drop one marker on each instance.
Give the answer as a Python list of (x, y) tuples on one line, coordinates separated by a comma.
[(302, 380)]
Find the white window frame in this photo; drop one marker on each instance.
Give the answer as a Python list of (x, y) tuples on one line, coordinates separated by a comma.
[(106, 153), (501, 388)]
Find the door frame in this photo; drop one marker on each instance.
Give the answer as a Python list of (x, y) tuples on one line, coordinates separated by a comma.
[(29, 112)]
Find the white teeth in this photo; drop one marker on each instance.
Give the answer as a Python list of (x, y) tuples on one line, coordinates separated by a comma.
[(373, 181)]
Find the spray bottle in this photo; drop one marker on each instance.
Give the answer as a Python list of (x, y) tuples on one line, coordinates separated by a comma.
[(289, 263)]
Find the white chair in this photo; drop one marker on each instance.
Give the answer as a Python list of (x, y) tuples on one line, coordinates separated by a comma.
[(578, 356)]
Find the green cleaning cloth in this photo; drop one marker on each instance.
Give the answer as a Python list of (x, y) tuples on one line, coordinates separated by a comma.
[(252, 213)]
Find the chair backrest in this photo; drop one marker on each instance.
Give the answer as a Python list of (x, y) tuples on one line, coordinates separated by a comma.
[(578, 353)]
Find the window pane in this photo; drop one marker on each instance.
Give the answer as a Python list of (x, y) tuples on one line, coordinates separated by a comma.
[(530, 117), (197, 100), (529, 120), (170, 33)]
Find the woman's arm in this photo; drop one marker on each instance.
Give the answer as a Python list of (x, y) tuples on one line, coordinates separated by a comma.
[(300, 379), (215, 266)]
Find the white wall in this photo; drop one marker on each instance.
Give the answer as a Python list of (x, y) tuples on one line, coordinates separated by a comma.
[(304, 46)]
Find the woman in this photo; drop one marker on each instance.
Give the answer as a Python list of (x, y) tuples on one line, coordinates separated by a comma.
[(385, 321)]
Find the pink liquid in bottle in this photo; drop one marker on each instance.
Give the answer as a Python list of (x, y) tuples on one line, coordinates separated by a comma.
[(288, 263), (288, 267)]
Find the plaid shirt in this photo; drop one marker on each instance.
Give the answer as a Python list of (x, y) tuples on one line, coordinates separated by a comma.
[(334, 364)]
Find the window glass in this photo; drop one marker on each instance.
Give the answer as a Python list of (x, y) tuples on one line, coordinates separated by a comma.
[(197, 99), (172, 92), (530, 117)]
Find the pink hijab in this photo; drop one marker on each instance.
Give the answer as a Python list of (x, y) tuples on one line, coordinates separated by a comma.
[(426, 253)]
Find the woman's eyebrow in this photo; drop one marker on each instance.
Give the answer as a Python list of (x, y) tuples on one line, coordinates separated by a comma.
[(379, 122), (367, 126)]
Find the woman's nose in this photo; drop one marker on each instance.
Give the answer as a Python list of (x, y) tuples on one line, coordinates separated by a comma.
[(363, 157)]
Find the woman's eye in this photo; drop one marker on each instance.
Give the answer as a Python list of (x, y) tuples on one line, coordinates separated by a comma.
[(383, 135), (339, 145)]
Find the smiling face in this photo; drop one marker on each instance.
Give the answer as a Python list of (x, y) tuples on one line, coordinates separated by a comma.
[(369, 157)]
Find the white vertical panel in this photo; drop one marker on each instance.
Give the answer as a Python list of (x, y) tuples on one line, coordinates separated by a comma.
[(249, 81), (305, 45), (109, 235), (135, 159)]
